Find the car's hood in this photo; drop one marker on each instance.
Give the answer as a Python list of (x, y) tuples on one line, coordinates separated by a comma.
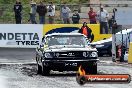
[(69, 48), (65, 46)]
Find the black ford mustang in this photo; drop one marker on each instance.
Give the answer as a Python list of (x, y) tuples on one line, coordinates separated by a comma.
[(66, 52)]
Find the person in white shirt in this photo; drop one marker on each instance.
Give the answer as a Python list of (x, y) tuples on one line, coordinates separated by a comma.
[(51, 12), (65, 14), (103, 19), (33, 13)]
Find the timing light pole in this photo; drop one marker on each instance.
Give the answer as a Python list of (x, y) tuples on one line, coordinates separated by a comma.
[(114, 27)]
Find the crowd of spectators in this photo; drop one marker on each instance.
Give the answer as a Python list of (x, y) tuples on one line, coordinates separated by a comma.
[(49, 10)]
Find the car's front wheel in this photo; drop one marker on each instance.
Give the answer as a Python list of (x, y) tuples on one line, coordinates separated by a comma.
[(39, 68), (45, 70)]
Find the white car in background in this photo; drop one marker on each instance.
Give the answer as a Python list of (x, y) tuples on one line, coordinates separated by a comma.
[(105, 46)]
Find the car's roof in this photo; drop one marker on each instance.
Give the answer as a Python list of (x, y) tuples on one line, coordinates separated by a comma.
[(53, 34)]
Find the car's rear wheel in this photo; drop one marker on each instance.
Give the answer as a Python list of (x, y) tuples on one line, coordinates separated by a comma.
[(45, 71), (90, 68)]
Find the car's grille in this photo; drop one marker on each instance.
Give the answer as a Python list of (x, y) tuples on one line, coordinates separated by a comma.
[(78, 54), (69, 54)]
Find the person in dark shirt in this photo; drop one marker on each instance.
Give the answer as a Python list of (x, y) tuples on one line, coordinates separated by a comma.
[(18, 10), (42, 10), (75, 17), (111, 22), (86, 31)]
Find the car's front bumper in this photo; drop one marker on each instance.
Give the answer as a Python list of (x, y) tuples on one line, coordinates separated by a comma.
[(68, 65)]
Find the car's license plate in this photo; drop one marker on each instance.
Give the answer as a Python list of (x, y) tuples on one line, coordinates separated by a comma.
[(70, 64)]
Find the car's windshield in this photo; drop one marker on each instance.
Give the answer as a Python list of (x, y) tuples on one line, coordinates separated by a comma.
[(66, 40)]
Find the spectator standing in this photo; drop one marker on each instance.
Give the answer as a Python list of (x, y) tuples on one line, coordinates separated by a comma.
[(33, 12), (51, 12), (41, 10), (92, 16), (75, 17), (18, 10), (111, 22), (103, 18), (86, 31), (65, 14)]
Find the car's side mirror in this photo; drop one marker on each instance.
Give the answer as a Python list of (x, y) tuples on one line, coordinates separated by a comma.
[(40, 48)]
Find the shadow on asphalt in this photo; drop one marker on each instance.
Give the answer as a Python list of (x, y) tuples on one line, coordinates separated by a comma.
[(32, 71)]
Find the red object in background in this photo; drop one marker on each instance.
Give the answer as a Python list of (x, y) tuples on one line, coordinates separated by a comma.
[(84, 31), (92, 16), (119, 51)]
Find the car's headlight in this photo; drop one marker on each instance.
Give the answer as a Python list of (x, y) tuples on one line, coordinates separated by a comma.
[(57, 54), (85, 54), (98, 46), (47, 55), (94, 54)]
